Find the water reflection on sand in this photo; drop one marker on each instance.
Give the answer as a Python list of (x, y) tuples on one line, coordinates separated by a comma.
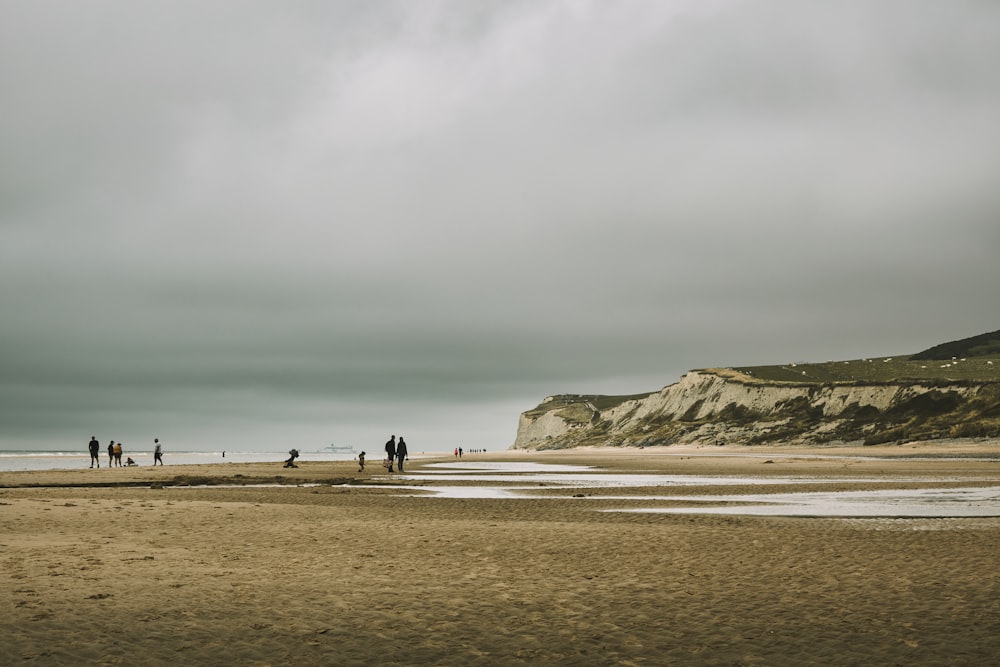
[(512, 478), (924, 503)]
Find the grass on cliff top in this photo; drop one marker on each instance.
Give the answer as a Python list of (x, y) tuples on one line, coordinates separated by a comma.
[(567, 401), (880, 370), (974, 359), (857, 371)]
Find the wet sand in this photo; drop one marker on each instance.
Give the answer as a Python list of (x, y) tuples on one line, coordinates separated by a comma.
[(99, 572)]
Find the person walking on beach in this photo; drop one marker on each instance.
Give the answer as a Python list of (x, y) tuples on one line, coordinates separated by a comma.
[(95, 451), (400, 453), (361, 461), (390, 452), (111, 453), (157, 451), (118, 454)]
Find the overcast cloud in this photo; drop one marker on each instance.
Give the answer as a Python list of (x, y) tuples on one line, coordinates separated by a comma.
[(261, 225)]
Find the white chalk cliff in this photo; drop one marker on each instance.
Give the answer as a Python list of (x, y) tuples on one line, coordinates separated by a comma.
[(724, 406)]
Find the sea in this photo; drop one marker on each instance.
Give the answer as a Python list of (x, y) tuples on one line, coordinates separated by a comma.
[(14, 460)]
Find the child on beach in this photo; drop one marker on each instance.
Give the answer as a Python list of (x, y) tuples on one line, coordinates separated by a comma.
[(361, 462)]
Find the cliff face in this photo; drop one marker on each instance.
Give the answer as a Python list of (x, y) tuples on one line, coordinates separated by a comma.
[(723, 406)]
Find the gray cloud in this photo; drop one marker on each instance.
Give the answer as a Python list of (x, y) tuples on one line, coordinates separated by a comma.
[(267, 225)]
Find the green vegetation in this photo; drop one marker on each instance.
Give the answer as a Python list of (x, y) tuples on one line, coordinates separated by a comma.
[(975, 359), (577, 413), (576, 407), (983, 345), (882, 370)]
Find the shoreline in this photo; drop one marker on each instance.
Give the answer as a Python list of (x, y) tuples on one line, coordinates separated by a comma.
[(982, 457)]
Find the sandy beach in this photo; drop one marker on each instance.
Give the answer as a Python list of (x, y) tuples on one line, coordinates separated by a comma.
[(255, 564)]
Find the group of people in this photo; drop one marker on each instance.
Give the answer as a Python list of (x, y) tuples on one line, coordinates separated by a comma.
[(115, 451), (459, 451), (395, 452)]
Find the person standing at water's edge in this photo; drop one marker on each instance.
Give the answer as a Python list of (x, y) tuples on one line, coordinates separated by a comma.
[(157, 451), (400, 453), (111, 453), (95, 451), (390, 452), (117, 451)]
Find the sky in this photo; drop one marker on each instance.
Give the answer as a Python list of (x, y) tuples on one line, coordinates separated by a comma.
[(261, 225)]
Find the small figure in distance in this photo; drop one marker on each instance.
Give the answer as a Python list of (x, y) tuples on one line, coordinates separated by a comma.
[(361, 462), (157, 452), (292, 455), (111, 453), (95, 451), (129, 462)]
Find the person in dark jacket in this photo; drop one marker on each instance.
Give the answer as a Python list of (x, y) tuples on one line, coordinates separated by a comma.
[(95, 451), (400, 453), (390, 452)]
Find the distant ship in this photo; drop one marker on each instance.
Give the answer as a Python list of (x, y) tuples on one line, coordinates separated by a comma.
[(339, 449)]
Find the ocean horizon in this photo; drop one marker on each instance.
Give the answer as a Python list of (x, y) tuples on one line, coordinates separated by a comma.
[(17, 460)]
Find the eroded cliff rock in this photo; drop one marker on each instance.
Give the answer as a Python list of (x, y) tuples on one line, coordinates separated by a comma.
[(725, 406)]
